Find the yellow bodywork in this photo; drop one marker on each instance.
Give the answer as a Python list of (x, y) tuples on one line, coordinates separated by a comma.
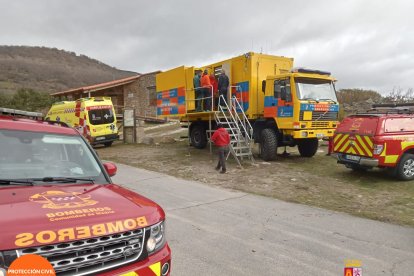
[(249, 70), (84, 114), (247, 73), (295, 126)]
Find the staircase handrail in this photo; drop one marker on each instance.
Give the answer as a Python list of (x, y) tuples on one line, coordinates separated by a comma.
[(222, 111), (248, 129)]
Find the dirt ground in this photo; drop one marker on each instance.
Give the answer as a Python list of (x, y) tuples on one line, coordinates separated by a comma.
[(317, 181)]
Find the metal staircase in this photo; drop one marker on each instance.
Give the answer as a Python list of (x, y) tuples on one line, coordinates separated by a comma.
[(233, 118)]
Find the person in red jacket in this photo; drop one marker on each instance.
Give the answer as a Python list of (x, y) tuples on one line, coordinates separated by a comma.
[(214, 83), (221, 139), (205, 83)]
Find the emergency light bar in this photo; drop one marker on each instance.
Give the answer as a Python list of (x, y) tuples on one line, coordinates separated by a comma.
[(21, 113), (393, 105), (309, 71)]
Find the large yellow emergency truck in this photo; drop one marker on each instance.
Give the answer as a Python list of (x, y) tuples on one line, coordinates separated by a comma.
[(93, 117), (269, 102)]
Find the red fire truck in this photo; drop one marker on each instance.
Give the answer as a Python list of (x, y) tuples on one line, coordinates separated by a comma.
[(57, 200), (381, 137)]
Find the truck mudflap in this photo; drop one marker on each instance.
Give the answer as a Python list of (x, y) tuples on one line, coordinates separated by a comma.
[(310, 133), (356, 160)]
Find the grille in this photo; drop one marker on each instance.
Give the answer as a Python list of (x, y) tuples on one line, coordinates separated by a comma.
[(321, 116), (90, 256), (318, 124)]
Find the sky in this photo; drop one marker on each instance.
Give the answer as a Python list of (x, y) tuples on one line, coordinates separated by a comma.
[(364, 44)]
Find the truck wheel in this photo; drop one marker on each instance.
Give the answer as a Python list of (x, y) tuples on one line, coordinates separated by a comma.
[(268, 145), (198, 137), (405, 168), (108, 144), (307, 147)]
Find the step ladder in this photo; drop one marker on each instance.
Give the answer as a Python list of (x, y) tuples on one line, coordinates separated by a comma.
[(234, 120)]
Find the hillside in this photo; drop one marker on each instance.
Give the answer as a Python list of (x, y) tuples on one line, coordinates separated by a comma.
[(50, 70)]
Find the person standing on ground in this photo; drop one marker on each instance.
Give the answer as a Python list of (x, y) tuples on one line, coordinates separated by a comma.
[(330, 146), (205, 83), (221, 139), (223, 86), (198, 92)]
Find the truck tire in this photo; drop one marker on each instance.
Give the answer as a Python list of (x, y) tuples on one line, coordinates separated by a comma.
[(307, 147), (268, 145), (405, 168), (107, 144), (198, 136)]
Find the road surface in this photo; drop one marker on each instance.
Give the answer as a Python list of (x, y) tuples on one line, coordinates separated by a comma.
[(213, 231)]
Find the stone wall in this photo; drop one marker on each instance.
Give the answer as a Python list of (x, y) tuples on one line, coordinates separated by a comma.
[(141, 95)]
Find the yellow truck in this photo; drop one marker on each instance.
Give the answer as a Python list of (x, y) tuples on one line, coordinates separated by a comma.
[(269, 102), (93, 117)]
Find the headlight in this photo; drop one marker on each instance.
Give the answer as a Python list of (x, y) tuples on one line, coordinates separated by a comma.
[(157, 237)]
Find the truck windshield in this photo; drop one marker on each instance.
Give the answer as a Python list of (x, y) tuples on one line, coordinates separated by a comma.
[(101, 116), (29, 155), (315, 89)]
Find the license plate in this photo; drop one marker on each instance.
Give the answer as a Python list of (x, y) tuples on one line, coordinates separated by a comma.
[(319, 135), (100, 138), (352, 157)]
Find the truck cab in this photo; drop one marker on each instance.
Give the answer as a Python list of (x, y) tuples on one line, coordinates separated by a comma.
[(300, 107)]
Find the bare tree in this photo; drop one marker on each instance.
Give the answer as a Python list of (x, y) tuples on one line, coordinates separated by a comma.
[(398, 95)]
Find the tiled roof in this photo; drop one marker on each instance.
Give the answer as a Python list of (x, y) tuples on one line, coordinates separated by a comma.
[(99, 86)]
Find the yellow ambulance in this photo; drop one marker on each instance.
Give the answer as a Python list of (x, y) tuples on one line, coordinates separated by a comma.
[(93, 117)]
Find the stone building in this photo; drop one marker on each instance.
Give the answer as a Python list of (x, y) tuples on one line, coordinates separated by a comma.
[(134, 92), (142, 95)]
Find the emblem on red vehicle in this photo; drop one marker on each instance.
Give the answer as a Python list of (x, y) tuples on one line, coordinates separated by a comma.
[(353, 268), (60, 199)]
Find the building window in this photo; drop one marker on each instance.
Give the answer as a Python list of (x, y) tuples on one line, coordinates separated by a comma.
[(152, 96)]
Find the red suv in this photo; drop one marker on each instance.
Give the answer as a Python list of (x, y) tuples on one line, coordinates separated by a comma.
[(57, 200), (382, 137)]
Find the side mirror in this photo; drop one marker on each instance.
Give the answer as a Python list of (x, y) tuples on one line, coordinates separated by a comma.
[(264, 86), (110, 168)]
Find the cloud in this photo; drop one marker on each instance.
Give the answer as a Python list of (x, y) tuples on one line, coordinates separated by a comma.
[(365, 44)]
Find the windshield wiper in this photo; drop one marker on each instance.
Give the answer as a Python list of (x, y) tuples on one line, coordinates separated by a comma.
[(310, 99), (16, 182), (328, 100), (64, 179)]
